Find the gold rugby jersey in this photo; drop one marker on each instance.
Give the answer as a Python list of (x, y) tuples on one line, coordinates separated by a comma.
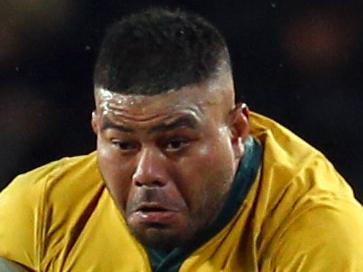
[(288, 210)]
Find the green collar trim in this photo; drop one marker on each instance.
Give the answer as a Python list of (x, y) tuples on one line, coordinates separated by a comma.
[(171, 261)]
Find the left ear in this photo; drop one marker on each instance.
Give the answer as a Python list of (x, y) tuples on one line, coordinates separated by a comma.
[(94, 122), (239, 128)]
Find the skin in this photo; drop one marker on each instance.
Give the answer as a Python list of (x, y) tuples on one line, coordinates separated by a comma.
[(168, 160)]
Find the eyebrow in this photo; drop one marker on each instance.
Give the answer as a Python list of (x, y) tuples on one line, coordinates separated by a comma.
[(186, 121), (108, 124)]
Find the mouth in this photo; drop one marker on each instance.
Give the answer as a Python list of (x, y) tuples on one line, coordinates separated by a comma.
[(152, 207), (155, 213)]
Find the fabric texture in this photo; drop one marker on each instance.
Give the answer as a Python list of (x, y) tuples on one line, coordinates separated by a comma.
[(298, 215), (9, 266)]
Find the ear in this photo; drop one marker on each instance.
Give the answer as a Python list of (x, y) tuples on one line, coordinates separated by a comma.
[(239, 127), (94, 122)]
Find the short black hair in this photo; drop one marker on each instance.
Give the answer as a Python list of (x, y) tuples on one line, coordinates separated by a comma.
[(157, 50)]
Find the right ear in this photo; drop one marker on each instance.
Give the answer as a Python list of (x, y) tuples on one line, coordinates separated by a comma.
[(95, 122), (239, 128)]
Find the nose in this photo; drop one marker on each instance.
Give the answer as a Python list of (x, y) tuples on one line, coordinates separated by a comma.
[(151, 169)]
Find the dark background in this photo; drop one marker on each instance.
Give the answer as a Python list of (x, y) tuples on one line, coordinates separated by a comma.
[(299, 62)]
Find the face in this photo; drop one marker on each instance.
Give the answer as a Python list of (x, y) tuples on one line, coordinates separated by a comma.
[(168, 160)]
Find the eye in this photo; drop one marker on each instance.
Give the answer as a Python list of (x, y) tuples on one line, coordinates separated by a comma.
[(125, 145), (176, 144)]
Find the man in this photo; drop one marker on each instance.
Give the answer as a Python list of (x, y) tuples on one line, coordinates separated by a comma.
[(183, 179)]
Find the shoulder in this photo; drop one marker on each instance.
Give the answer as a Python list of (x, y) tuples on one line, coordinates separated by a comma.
[(290, 164), (58, 174), (37, 200), (279, 142), (326, 235), (293, 173), (304, 209), (58, 186)]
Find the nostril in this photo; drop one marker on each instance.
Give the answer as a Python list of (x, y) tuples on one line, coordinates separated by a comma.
[(151, 183)]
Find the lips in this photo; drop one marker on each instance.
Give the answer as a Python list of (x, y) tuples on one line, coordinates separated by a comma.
[(155, 213), (152, 207)]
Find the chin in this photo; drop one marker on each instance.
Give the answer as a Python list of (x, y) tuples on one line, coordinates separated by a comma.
[(160, 237)]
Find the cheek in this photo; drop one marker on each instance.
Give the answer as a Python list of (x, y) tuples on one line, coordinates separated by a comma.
[(207, 174), (217, 154), (219, 168), (115, 173)]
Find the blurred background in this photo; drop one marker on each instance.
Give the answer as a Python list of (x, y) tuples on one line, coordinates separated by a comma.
[(299, 62)]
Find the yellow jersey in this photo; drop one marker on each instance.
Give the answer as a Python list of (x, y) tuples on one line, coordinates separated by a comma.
[(288, 210)]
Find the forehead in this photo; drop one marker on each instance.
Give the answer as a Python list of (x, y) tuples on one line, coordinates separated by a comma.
[(188, 99)]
